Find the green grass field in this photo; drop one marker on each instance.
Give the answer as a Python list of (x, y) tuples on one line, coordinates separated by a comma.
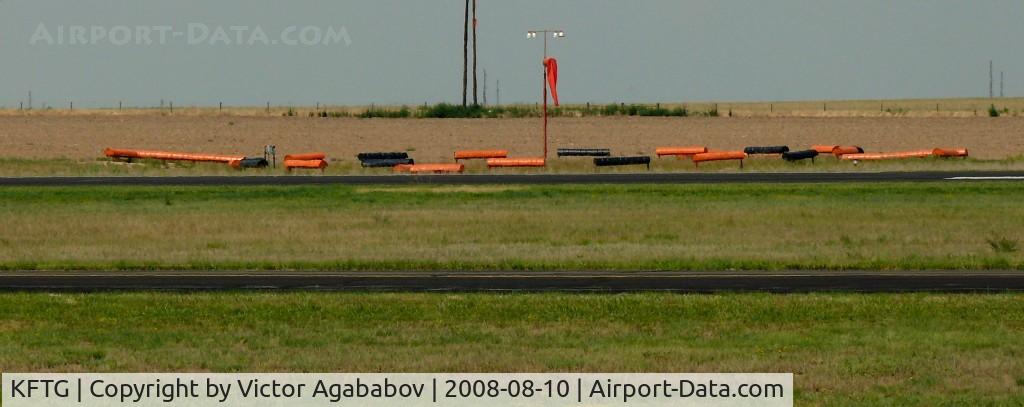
[(844, 349), (660, 227)]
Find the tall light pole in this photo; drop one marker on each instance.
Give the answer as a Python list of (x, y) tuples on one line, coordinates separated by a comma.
[(991, 81), (465, 55), (475, 23), (553, 34)]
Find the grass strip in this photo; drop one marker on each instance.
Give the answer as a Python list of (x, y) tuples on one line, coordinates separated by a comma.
[(845, 349), (912, 226)]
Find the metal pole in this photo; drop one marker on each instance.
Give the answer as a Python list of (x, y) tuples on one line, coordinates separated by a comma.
[(991, 80), (544, 85), (465, 55), (476, 101)]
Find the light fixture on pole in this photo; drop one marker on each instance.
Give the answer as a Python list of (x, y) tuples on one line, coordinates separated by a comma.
[(554, 34)]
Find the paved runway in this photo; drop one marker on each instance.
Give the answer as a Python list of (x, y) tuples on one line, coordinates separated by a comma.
[(684, 282), (512, 179)]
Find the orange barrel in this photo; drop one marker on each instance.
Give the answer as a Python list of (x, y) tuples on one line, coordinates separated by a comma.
[(515, 162), (844, 150), (824, 149), (480, 155), (436, 168), (680, 151), (314, 164), (950, 152), (306, 157)]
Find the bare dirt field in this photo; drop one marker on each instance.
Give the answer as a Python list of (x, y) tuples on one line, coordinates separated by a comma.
[(85, 136)]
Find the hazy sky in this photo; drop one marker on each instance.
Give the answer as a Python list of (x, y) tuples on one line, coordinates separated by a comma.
[(410, 51)]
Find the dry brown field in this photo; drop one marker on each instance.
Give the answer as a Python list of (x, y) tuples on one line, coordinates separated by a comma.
[(83, 137)]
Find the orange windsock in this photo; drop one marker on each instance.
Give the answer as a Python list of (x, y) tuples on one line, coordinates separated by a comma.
[(551, 65), (824, 149)]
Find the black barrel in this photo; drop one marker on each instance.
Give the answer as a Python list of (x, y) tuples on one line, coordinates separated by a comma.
[(387, 163), (799, 155), (254, 162), (766, 150), (382, 156), (584, 152), (617, 161)]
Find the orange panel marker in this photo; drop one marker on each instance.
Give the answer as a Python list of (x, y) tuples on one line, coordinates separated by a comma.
[(824, 149), (680, 151), (951, 152), (515, 162), (844, 150), (169, 156), (312, 164), (306, 157), (436, 168), (888, 156), (480, 155), (720, 156)]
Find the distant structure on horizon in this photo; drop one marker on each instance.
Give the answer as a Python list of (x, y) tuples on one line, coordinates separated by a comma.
[(991, 80)]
